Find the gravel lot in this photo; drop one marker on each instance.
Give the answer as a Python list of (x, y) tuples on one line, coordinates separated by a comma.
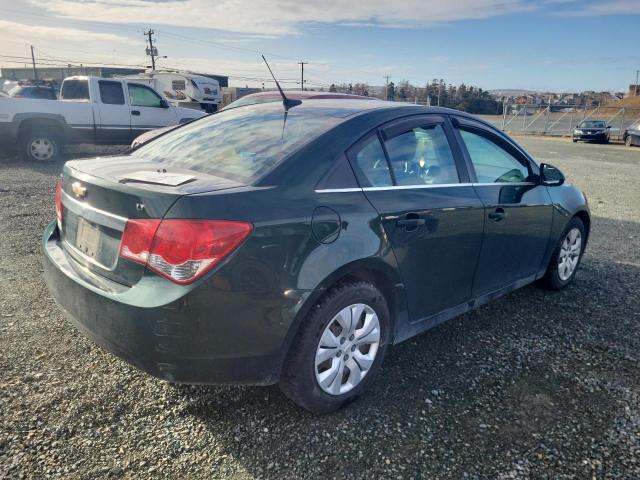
[(535, 385)]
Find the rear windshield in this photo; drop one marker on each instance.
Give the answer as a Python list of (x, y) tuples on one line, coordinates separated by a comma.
[(243, 143), (75, 90)]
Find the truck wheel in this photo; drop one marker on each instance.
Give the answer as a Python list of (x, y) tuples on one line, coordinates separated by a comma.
[(39, 145)]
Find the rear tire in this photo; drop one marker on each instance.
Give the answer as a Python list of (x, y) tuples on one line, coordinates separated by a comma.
[(628, 141), (566, 257), (308, 377), (575, 140), (40, 144)]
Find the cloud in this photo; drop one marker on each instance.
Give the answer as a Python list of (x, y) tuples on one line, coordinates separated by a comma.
[(20, 32), (281, 17)]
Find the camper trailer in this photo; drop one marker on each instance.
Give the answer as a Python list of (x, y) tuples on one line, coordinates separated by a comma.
[(184, 89)]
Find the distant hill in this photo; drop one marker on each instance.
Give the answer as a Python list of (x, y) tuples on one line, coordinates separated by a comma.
[(626, 102)]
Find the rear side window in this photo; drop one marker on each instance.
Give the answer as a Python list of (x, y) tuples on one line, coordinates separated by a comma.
[(422, 156), (111, 93), (75, 90), (141, 96), (242, 143), (492, 162), (370, 163)]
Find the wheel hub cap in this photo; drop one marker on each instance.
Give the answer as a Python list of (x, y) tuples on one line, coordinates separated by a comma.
[(41, 149), (347, 349), (569, 254)]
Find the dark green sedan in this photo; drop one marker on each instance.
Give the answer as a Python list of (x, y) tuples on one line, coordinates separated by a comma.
[(265, 244)]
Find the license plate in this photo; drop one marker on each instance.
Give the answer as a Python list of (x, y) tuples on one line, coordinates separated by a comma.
[(88, 238)]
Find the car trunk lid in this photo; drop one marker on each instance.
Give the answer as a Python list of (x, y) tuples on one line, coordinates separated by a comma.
[(99, 197)]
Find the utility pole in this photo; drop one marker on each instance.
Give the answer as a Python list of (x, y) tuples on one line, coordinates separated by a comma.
[(151, 50), (302, 64), (33, 63), (386, 87)]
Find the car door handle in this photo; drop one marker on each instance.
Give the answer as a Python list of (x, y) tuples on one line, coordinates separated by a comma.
[(498, 214), (135, 112), (410, 223)]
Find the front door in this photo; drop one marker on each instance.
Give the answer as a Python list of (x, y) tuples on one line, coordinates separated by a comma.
[(148, 110), (518, 210), (431, 215)]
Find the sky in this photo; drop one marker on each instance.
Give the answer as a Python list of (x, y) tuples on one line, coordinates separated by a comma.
[(543, 45)]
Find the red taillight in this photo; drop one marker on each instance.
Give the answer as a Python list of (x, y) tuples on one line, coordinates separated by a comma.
[(59, 202), (181, 250)]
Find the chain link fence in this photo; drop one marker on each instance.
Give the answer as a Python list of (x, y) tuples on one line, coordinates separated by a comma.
[(562, 119)]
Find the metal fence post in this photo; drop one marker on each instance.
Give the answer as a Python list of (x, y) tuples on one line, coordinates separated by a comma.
[(620, 132), (546, 119), (524, 118), (504, 114), (571, 123)]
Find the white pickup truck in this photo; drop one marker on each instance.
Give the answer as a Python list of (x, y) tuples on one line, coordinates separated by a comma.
[(90, 110)]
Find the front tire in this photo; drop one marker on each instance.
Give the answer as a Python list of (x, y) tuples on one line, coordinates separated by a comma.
[(339, 348), (41, 145), (566, 257), (628, 141)]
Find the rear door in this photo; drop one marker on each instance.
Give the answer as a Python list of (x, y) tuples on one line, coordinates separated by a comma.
[(518, 210), (148, 110), (114, 125), (414, 176)]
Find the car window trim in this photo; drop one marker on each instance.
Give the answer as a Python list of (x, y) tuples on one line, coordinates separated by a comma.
[(488, 133), (352, 152), (403, 125)]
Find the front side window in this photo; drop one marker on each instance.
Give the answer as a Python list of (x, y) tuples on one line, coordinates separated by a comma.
[(141, 96), (422, 156), (111, 93), (243, 143), (371, 164), (492, 163)]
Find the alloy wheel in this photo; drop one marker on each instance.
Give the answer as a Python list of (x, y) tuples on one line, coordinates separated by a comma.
[(347, 349), (569, 255)]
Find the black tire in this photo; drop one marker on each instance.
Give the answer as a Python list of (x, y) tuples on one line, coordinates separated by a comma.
[(628, 141), (298, 381), (575, 140), (552, 279), (47, 136)]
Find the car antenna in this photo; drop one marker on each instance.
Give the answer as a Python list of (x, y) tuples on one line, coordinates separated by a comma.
[(287, 102)]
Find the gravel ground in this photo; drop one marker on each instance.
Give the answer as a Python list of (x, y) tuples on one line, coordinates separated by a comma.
[(535, 385)]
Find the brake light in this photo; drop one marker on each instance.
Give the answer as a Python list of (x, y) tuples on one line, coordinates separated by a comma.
[(181, 250), (59, 202)]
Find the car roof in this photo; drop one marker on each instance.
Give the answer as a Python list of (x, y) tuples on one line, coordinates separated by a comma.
[(307, 94)]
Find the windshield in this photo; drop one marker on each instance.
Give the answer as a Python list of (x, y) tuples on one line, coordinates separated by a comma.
[(593, 124), (243, 143)]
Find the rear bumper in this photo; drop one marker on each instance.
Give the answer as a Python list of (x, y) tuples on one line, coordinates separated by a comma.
[(201, 335)]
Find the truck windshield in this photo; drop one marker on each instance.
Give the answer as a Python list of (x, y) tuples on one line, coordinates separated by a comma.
[(244, 143)]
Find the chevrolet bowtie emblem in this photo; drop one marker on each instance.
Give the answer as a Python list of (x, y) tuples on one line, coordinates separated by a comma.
[(78, 190)]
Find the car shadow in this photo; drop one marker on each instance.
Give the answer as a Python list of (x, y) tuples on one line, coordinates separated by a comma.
[(531, 374)]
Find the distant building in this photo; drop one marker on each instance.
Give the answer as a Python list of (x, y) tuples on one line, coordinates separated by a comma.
[(634, 90)]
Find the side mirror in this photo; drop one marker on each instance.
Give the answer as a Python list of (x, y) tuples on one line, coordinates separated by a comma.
[(550, 175), (608, 126), (164, 103)]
